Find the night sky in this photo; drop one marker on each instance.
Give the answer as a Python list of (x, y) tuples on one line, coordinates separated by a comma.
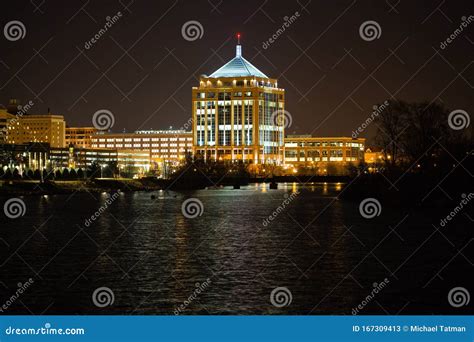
[(142, 69)]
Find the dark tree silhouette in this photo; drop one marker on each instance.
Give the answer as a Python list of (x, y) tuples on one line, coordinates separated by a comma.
[(73, 174)]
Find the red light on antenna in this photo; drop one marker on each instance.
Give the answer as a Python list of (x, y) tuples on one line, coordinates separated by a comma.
[(238, 38)]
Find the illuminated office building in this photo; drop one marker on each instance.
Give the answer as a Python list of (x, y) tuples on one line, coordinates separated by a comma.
[(238, 114), (47, 128), (80, 136), (5, 117), (161, 146), (304, 150)]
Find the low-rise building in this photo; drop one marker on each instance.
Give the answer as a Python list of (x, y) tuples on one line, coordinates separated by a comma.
[(32, 156), (80, 136), (161, 146), (375, 159), (309, 151), (134, 162), (39, 156), (372, 156), (80, 158)]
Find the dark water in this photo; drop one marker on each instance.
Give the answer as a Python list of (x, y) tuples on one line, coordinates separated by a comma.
[(151, 256)]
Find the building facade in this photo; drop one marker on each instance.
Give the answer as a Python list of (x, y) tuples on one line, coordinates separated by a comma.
[(305, 150), (5, 118), (80, 136), (80, 158), (32, 156), (161, 146), (238, 114), (39, 156), (48, 128)]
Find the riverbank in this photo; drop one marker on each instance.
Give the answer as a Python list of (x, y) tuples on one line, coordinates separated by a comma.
[(31, 187), (34, 187)]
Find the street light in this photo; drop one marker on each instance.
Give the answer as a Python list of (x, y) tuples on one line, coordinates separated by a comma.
[(101, 173)]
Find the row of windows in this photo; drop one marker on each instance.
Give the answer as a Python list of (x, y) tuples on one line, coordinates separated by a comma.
[(245, 151), (224, 137), (239, 83), (146, 145), (323, 153), (140, 139), (211, 105), (323, 143), (227, 96), (316, 159), (159, 156)]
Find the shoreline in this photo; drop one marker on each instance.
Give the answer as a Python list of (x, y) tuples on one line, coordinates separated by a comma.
[(35, 187)]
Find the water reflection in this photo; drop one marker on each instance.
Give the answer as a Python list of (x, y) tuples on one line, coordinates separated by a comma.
[(152, 256)]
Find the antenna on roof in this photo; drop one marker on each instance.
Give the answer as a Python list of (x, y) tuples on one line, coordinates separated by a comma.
[(238, 48)]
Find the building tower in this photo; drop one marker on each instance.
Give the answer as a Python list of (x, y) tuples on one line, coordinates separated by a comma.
[(238, 114)]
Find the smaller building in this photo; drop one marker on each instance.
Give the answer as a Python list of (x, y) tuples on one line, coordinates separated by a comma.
[(80, 136), (168, 146), (39, 156), (375, 159), (133, 162), (371, 156), (80, 158), (328, 155), (31, 156), (306, 148)]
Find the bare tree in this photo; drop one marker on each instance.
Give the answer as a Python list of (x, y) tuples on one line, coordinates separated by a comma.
[(391, 124)]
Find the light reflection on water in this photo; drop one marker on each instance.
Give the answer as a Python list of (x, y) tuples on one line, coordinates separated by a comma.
[(152, 256)]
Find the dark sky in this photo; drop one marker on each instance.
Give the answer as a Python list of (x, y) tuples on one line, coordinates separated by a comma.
[(143, 69)]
